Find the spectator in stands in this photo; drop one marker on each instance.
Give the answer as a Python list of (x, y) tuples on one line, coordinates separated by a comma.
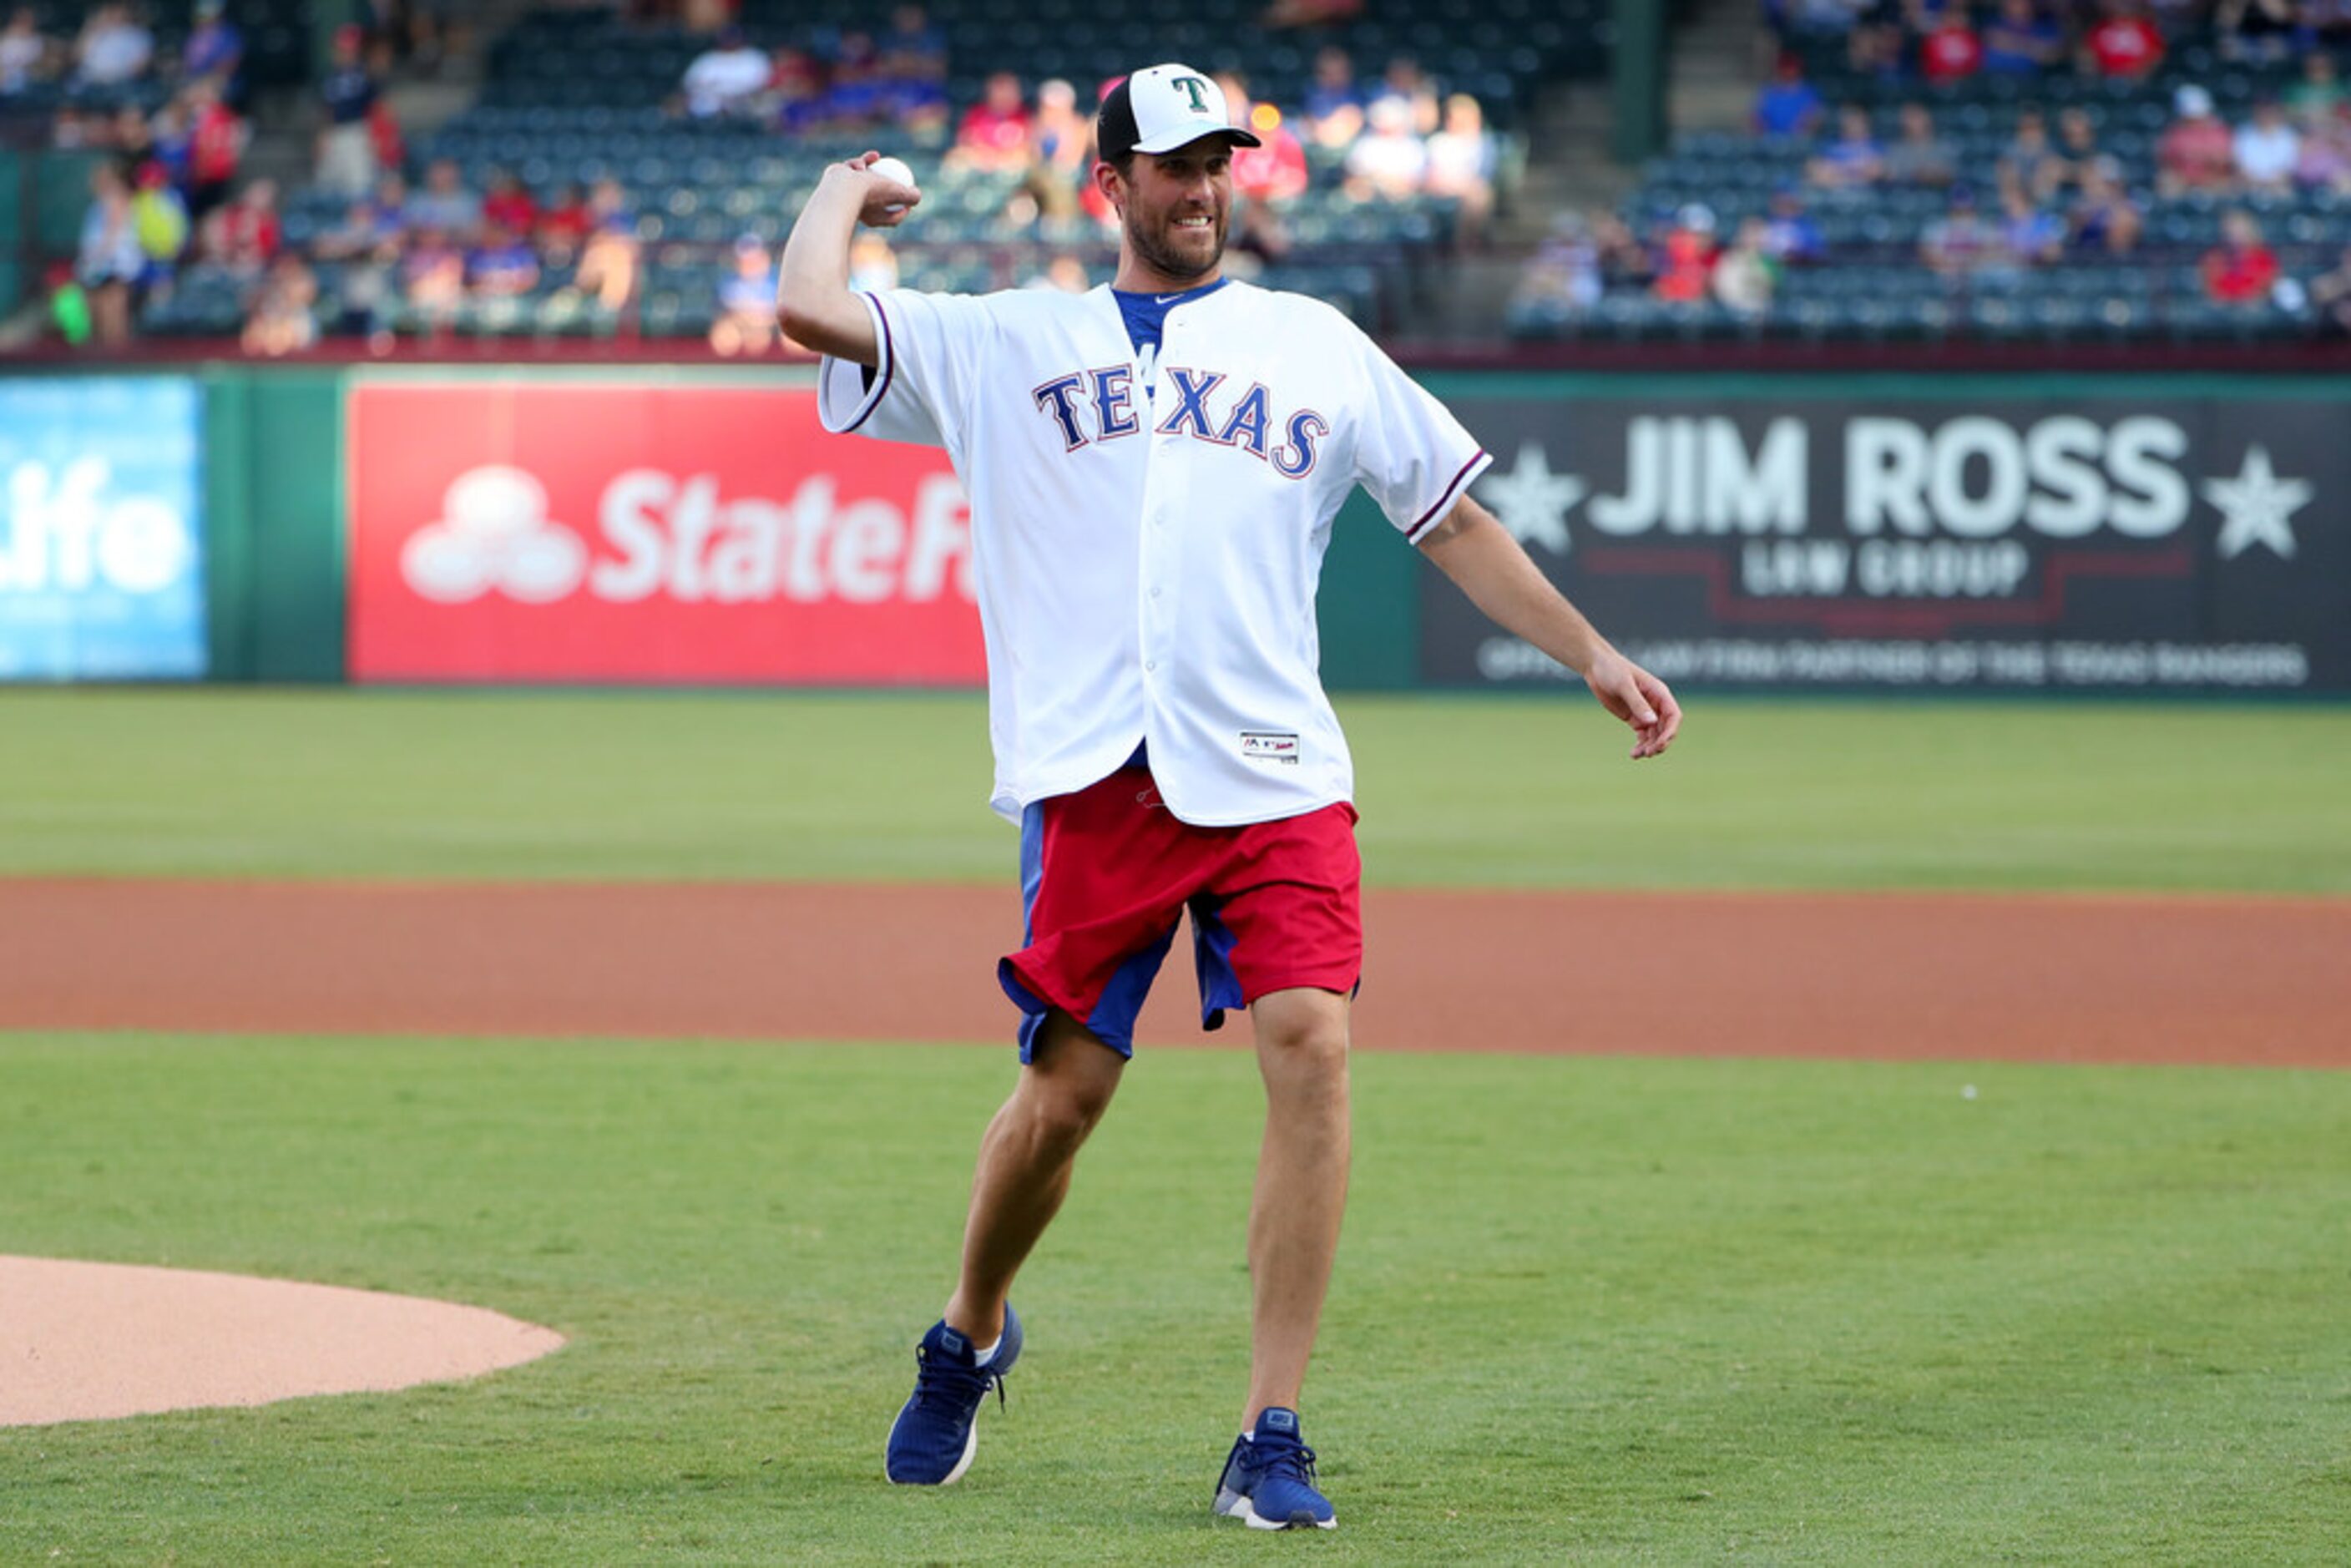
[(746, 321), (109, 262), (133, 135), (1948, 49), (1334, 107), (2325, 160), (1919, 156), (2259, 32), (346, 160), (1686, 254), (1961, 244), (217, 142), (862, 93), (794, 96), (432, 279), (25, 54), (1746, 274), (503, 265), (1061, 150), (725, 78), (2030, 235), (563, 226), (1404, 81), (1388, 163), (1275, 169), (160, 218), (873, 264), (445, 203), (2267, 148), (2331, 292), (1851, 162), (1625, 262), (608, 261), (2241, 270), (112, 49), (2022, 41), (282, 321), (2123, 45), (2103, 217), (1462, 163), (994, 137), (913, 49), (242, 237), (1789, 236), (2029, 164), (508, 206), (170, 138), (367, 228), (1563, 278), (2196, 153), (1788, 105), (2320, 90), (215, 52), (1875, 44), (2077, 145)]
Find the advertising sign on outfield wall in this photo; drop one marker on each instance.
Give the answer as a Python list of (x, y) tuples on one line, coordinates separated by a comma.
[(2106, 542), (695, 533), (101, 530)]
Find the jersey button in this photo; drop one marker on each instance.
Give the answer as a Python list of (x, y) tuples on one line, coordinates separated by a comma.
[(1150, 664), (1154, 593)]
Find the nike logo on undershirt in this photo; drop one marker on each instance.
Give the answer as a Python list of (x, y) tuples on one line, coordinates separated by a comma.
[(1165, 298)]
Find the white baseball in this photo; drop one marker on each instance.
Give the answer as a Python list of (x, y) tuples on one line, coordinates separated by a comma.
[(894, 170)]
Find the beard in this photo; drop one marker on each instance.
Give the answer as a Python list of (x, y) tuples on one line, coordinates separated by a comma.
[(1151, 245)]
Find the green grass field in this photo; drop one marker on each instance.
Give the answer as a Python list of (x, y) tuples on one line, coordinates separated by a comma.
[(1593, 1310), (1468, 792), (1586, 1311)]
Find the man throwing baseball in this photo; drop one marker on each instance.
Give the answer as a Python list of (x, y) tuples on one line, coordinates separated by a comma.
[(1154, 468)]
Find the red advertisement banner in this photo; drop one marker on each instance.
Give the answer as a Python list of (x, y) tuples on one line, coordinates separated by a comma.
[(543, 531)]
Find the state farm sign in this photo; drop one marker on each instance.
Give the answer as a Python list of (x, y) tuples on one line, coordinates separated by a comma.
[(641, 533)]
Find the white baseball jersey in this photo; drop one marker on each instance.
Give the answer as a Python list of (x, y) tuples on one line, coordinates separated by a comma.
[(1145, 547)]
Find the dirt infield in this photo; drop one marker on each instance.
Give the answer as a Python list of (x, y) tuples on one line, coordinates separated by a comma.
[(2041, 978), (84, 1342)]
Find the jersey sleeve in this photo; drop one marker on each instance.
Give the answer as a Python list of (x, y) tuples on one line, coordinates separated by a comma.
[(920, 386), (1412, 455)]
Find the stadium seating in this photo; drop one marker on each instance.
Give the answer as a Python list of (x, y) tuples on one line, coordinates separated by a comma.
[(1872, 284)]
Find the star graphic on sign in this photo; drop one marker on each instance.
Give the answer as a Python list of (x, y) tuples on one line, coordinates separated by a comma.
[(2257, 508), (1530, 500)]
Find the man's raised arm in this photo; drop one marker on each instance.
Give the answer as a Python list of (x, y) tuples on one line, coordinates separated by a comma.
[(814, 304)]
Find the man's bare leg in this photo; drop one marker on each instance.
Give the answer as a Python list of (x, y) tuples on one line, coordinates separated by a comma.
[(1301, 1184), (1024, 1161)]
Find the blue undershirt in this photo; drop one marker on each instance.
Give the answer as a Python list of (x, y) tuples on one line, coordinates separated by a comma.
[(1145, 314)]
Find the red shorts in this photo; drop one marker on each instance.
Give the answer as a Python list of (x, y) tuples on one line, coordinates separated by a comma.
[(1106, 872)]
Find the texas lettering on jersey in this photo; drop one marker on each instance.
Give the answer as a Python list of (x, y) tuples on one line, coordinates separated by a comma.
[(1099, 405)]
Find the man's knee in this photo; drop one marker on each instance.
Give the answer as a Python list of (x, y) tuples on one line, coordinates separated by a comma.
[(1306, 1026), (1069, 1081)]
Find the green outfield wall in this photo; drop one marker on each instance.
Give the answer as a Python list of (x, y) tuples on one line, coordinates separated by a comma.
[(673, 525)]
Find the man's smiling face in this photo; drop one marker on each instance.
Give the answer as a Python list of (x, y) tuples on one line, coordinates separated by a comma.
[(1177, 206)]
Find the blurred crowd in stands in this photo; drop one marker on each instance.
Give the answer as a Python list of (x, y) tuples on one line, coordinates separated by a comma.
[(414, 249), (2055, 193)]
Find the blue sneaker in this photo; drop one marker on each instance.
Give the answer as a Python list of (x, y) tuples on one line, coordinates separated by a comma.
[(1269, 1480), (935, 1437)]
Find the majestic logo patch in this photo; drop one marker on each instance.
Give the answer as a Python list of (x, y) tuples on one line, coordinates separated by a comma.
[(1270, 746)]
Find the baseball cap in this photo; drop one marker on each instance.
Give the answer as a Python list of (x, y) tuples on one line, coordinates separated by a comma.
[(1162, 108)]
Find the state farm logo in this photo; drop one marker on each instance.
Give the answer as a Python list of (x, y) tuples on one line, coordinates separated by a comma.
[(661, 536), (494, 533)]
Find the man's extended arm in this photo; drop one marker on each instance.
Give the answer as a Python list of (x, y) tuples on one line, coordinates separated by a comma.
[(1482, 559), (814, 304)]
